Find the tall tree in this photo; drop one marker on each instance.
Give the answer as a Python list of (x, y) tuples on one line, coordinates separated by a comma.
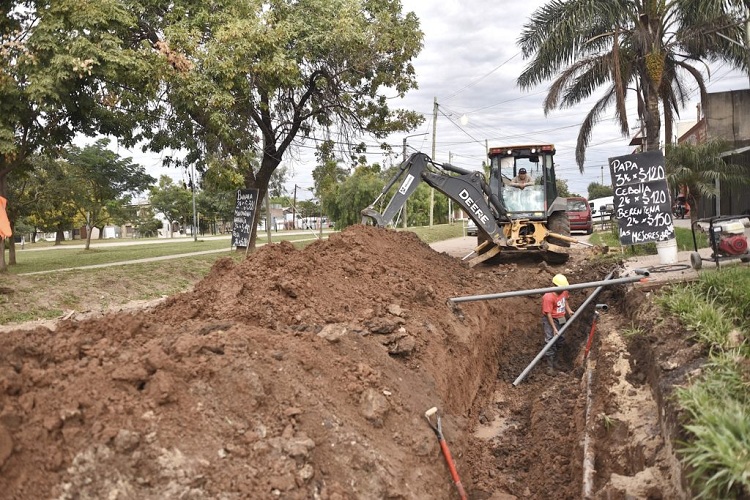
[(623, 46), (67, 67), (345, 201), (172, 201), (596, 190), (257, 78), (53, 208), (328, 171), (98, 178), (562, 188)]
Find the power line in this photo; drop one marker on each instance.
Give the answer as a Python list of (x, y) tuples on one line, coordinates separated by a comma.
[(471, 84)]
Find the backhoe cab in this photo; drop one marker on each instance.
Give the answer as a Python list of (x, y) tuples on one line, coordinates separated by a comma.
[(538, 214), (509, 219)]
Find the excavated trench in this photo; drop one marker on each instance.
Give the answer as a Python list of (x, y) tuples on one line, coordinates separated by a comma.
[(591, 429)]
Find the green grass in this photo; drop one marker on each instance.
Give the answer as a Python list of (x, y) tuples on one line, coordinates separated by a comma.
[(731, 288), (47, 296), (718, 453), (704, 316), (62, 257), (438, 232), (717, 403), (714, 305), (632, 332)]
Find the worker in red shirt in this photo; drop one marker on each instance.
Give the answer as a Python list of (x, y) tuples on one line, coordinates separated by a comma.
[(555, 311)]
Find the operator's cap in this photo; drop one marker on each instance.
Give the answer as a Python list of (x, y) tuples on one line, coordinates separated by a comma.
[(560, 280), (522, 171)]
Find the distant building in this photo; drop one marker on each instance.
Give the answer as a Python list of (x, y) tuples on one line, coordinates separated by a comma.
[(725, 116)]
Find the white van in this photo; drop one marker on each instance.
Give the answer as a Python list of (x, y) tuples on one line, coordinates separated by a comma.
[(602, 206)]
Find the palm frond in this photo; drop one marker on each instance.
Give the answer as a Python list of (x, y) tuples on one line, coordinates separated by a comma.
[(553, 36), (585, 45), (587, 127)]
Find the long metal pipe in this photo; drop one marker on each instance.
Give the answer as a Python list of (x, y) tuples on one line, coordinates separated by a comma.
[(642, 273), (554, 339), (588, 447)]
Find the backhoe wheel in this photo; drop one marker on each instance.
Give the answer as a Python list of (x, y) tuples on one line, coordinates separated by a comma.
[(558, 223)]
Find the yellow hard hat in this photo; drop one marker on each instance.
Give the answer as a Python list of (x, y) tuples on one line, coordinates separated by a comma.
[(560, 280)]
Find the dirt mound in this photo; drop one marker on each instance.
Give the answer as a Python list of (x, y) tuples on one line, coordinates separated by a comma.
[(300, 374), (293, 374)]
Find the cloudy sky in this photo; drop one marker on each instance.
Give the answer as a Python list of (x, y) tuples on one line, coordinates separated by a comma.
[(469, 63)]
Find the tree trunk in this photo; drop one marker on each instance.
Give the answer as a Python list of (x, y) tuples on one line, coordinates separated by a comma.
[(88, 237), (59, 236), (12, 246), (3, 265), (653, 121), (260, 181)]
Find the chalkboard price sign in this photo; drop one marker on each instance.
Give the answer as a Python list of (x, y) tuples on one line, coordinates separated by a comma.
[(244, 214), (642, 203)]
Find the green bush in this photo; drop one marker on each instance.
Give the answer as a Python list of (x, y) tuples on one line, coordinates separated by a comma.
[(718, 453), (717, 405)]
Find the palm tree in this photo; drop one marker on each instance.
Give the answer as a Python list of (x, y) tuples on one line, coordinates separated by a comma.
[(701, 168), (641, 46)]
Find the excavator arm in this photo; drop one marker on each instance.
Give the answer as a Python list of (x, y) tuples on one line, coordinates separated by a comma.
[(468, 189)]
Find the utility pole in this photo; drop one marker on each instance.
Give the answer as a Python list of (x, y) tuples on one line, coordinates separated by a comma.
[(294, 209), (434, 133), (450, 205), (405, 214), (268, 215), (602, 175), (195, 214)]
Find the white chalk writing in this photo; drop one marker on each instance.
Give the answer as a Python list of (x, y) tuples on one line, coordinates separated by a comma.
[(641, 195)]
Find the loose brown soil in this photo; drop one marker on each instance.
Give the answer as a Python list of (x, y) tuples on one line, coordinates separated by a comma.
[(306, 374)]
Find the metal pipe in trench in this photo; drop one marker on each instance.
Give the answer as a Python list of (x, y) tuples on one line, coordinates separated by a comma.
[(642, 273), (588, 448), (606, 282)]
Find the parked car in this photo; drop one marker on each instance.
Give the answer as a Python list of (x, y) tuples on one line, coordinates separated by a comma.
[(579, 214), (471, 228)]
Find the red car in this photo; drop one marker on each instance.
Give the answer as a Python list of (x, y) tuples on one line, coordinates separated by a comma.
[(579, 213)]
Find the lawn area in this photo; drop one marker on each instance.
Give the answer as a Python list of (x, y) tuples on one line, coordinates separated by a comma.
[(64, 257), (27, 297)]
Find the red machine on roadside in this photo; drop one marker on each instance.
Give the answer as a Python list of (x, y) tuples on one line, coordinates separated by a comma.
[(726, 237)]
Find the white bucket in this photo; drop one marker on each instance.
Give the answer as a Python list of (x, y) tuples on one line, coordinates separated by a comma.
[(667, 251)]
